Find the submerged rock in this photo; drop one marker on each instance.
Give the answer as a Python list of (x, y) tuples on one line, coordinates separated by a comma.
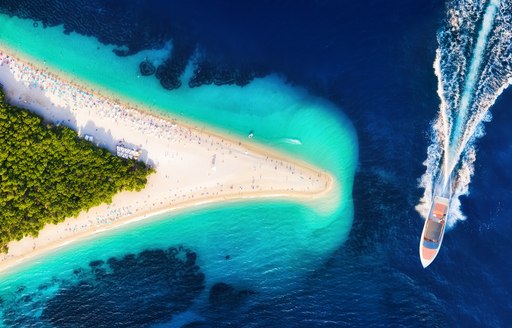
[(170, 83), (136, 290), (226, 296), (96, 263), (147, 68), (208, 72)]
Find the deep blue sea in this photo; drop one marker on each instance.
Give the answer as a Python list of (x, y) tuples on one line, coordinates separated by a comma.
[(374, 59)]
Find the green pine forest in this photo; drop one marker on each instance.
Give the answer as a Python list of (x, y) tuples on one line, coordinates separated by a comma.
[(48, 173)]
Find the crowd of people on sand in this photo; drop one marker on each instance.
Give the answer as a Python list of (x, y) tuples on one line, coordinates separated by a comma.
[(75, 97), (79, 98)]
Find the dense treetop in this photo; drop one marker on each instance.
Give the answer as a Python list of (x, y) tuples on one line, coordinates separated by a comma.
[(48, 173)]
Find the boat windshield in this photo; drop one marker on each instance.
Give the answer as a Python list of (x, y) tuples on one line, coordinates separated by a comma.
[(433, 230)]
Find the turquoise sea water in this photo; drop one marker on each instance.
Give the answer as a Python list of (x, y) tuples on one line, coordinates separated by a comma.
[(269, 245), (373, 59)]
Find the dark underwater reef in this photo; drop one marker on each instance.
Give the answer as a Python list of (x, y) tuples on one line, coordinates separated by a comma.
[(133, 26), (135, 290)]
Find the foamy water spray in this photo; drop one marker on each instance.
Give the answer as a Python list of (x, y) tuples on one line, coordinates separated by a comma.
[(473, 66)]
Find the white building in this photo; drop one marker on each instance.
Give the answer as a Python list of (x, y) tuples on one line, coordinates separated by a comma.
[(128, 153)]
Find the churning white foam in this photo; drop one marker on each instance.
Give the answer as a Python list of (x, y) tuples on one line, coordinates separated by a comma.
[(473, 66)]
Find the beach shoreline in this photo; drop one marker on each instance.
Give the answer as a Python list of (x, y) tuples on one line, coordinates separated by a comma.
[(152, 110), (146, 108), (12, 263), (193, 168)]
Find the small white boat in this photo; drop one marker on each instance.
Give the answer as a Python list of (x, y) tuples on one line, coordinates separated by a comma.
[(435, 224)]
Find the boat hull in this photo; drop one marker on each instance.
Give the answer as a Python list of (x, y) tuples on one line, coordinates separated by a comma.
[(433, 230)]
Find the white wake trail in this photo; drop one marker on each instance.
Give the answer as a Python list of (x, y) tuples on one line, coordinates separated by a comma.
[(459, 139), (473, 66)]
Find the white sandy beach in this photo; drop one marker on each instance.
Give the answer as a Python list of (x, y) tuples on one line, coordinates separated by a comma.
[(193, 167)]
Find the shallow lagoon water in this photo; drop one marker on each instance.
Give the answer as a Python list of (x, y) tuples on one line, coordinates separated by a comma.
[(264, 247)]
